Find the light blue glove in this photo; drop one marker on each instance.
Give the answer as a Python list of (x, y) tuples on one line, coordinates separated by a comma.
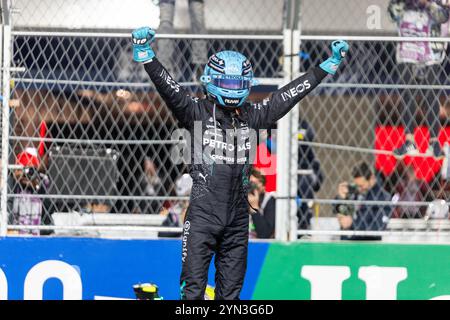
[(339, 48), (142, 37)]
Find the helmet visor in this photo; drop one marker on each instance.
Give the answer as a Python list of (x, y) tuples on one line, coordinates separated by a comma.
[(234, 83)]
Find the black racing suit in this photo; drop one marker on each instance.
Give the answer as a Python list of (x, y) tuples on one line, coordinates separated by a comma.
[(221, 149)]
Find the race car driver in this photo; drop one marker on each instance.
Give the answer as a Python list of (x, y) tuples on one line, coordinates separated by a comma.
[(217, 220)]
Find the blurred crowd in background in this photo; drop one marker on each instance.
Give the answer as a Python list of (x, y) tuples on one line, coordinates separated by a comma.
[(419, 109)]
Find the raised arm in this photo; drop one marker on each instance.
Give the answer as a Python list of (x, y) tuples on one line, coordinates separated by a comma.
[(176, 98), (266, 113)]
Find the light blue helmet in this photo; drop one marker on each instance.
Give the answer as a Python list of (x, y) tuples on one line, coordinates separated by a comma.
[(227, 78)]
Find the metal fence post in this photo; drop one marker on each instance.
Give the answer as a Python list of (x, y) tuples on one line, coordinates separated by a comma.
[(286, 145), (283, 141), (6, 33), (293, 147)]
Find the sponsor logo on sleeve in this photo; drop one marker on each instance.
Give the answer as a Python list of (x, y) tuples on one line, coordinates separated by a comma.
[(295, 91), (168, 79)]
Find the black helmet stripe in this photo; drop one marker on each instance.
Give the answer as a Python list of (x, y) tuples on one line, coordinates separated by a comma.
[(217, 63), (213, 66), (246, 67), (245, 71)]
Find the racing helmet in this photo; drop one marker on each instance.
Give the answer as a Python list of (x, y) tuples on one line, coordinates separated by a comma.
[(227, 78)]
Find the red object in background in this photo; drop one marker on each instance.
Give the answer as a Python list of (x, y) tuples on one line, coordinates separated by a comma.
[(26, 159), (267, 164), (386, 138), (390, 137), (42, 134)]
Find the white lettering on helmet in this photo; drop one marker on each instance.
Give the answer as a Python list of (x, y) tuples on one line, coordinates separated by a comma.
[(231, 101)]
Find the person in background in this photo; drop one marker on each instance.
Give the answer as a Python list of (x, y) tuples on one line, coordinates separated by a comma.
[(166, 47), (151, 184), (176, 212), (97, 207), (364, 187), (310, 175), (262, 207), (420, 64), (27, 209), (409, 188)]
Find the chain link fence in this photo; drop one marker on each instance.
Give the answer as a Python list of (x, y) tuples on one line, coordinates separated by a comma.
[(103, 136), (379, 99)]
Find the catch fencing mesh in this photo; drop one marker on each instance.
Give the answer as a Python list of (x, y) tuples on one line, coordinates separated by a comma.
[(102, 133), (361, 115), (104, 136)]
